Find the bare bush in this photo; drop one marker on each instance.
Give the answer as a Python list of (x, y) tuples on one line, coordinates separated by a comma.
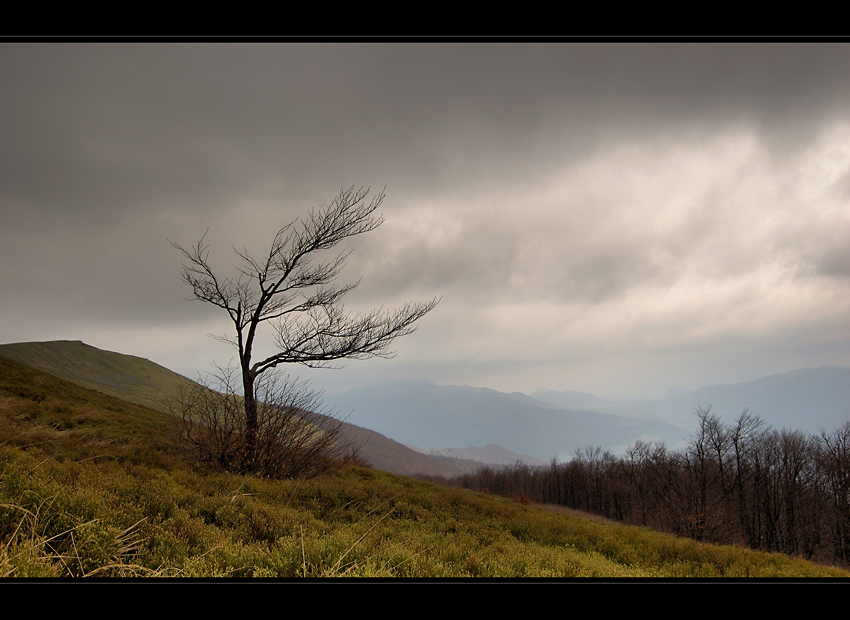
[(294, 437)]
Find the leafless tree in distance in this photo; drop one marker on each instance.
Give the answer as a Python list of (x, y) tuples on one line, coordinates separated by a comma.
[(294, 291)]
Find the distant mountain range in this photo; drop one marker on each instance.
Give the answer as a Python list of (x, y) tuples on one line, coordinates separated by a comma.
[(445, 416), (809, 399), (490, 454), (571, 399), (550, 423)]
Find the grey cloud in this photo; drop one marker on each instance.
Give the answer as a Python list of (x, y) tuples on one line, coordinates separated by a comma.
[(603, 275), (205, 116), (836, 261), (824, 253), (474, 263), (110, 150)]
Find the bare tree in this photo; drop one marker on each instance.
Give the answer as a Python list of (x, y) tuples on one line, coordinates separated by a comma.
[(295, 294), (834, 458)]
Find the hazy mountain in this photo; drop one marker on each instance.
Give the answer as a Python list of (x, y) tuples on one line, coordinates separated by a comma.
[(808, 399), (551, 423), (675, 393), (570, 399), (445, 416), (490, 454)]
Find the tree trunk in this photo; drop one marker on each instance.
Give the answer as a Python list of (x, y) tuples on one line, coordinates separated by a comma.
[(250, 453)]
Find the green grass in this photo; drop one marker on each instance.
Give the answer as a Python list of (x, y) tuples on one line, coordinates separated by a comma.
[(88, 488), (130, 378)]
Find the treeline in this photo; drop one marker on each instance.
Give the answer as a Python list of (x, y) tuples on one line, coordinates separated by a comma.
[(743, 483)]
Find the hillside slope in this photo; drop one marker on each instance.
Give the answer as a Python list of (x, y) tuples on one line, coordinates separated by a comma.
[(143, 382), (130, 378), (89, 488)]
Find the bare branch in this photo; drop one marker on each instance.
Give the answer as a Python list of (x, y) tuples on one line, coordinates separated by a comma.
[(327, 334)]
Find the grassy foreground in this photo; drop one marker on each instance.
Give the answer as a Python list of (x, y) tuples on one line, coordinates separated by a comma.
[(87, 489)]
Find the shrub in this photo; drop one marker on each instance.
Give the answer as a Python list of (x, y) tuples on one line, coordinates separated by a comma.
[(294, 439)]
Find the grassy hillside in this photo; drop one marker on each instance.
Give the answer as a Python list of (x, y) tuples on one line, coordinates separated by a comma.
[(143, 382), (87, 487), (133, 379)]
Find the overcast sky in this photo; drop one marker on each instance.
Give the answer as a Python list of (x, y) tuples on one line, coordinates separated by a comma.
[(612, 218)]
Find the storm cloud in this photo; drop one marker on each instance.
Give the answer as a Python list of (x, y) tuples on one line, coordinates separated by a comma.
[(608, 217)]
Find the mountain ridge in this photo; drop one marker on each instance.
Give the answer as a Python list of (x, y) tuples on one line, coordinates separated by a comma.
[(810, 399), (433, 416)]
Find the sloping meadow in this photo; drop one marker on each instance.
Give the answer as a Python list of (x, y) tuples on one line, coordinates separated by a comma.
[(89, 487)]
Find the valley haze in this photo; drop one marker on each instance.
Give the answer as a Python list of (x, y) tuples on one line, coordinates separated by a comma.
[(616, 219)]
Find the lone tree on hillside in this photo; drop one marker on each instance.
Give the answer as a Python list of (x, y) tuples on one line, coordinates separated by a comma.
[(295, 293)]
